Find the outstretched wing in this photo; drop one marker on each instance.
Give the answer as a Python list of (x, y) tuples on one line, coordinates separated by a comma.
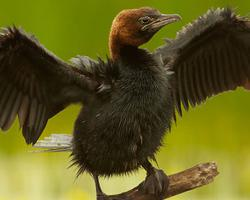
[(35, 84), (209, 56)]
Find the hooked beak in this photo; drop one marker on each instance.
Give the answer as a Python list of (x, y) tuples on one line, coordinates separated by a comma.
[(161, 21)]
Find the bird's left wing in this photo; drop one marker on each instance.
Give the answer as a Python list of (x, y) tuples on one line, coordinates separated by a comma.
[(209, 56)]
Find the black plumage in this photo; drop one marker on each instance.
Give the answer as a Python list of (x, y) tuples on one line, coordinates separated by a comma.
[(130, 100), (210, 56), (118, 123)]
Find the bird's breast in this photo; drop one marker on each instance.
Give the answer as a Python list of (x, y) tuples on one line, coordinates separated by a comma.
[(142, 110), (142, 100), (142, 90)]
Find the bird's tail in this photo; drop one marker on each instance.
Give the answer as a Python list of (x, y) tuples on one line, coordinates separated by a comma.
[(55, 143)]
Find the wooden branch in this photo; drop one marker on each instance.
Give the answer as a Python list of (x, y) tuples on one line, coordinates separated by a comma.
[(189, 179)]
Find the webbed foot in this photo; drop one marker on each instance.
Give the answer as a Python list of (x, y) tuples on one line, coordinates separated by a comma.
[(156, 182)]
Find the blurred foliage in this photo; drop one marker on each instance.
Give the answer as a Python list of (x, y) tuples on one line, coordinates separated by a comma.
[(218, 130)]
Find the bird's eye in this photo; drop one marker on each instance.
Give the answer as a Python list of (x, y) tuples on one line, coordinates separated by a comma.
[(145, 20)]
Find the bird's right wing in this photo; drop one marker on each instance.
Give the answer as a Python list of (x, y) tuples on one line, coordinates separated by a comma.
[(208, 57), (35, 84)]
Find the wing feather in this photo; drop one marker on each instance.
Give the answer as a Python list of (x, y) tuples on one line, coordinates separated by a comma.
[(211, 56), (12, 113), (6, 109), (192, 91), (181, 83), (199, 77), (23, 110), (35, 84)]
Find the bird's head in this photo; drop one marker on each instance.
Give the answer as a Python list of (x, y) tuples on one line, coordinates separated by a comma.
[(134, 27)]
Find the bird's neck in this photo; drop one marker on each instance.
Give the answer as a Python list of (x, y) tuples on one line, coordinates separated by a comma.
[(128, 53), (114, 47)]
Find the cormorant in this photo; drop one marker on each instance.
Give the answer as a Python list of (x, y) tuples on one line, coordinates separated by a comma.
[(129, 100)]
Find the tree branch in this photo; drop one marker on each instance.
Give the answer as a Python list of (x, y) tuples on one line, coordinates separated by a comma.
[(186, 180)]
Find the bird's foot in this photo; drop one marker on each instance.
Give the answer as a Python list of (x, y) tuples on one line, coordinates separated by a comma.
[(155, 184)]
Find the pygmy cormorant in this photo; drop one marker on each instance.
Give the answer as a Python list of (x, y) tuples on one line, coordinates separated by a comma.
[(129, 100)]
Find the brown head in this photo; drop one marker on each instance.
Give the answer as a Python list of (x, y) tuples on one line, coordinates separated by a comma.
[(135, 27)]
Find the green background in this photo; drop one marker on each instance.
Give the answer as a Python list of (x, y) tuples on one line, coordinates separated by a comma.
[(217, 131)]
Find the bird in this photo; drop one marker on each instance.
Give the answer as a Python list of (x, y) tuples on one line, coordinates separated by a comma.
[(131, 99)]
